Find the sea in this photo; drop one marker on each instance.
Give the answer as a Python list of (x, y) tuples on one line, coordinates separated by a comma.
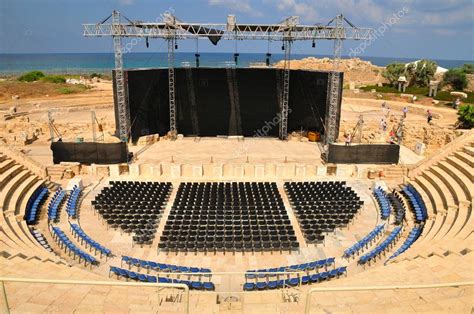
[(83, 63)]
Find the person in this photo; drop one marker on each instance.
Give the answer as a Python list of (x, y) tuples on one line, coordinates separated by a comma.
[(392, 137), (388, 112), (405, 110), (384, 126), (382, 122), (429, 116), (348, 140)]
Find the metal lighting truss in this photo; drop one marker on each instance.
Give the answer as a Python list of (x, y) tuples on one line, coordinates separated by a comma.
[(172, 29)]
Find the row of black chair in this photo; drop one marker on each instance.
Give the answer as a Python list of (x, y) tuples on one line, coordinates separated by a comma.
[(321, 207), (134, 207), (228, 217)]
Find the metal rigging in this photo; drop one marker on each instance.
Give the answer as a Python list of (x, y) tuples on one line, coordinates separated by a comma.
[(172, 29)]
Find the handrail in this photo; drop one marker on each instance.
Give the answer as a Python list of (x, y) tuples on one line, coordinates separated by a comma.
[(89, 283), (372, 288)]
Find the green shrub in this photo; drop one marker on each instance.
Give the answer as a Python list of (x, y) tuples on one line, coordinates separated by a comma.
[(393, 71), (31, 76), (54, 79), (96, 75), (468, 68), (456, 78), (466, 116)]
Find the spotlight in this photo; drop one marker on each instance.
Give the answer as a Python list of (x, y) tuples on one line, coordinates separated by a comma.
[(176, 46), (267, 60), (314, 44), (283, 47), (236, 58), (197, 55), (147, 43)]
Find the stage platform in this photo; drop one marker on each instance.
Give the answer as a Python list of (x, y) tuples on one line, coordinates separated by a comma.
[(193, 150)]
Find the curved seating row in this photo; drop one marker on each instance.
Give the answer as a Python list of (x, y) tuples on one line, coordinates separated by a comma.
[(383, 201), (412, 237), (71, 204), (305, 267), (34, 204), (398, 208), (84, 238), (41, 240), (416, 202), (127, 274), (447, 191), (368, 240), (64, 242), (165, 268), (293, 281), (388, 243), (54, 206)]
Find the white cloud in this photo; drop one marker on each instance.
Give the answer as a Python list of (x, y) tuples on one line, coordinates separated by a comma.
[(126, 2), (243, 6), (306, 11)]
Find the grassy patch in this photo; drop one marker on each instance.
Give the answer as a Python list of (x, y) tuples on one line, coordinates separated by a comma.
[(419, 91), (54, 79), (380, 89), (72, 89), (446, 96)]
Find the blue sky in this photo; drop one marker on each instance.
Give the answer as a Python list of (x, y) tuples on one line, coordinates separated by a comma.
[(439, 29)]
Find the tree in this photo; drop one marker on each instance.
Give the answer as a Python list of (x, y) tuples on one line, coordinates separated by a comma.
[(456, 78), (466, 116), (393, 71), (468, 68), (420, 73)]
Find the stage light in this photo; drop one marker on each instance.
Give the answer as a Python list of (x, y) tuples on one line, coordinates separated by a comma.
[(267, 60), (146, 42), (197, 55), (314, 44), (236, 58)]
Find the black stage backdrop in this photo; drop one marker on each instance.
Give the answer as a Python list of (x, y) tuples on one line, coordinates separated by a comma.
[(220, 101), (90, 153), (364, 154)]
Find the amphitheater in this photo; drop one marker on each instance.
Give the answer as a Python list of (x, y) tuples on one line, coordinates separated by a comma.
[(172, 237)]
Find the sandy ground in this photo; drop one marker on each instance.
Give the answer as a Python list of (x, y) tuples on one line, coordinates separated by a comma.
[(72, 117)]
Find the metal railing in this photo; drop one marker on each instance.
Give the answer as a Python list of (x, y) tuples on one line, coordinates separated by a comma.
[(6, 309), (379, 288)]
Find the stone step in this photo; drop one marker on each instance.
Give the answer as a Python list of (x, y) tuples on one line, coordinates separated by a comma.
[(461, 166), (469, 150), (6, 164), (464, 182), (451, 183), (466, 158)]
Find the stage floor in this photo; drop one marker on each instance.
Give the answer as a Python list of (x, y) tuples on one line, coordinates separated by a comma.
[(190, 150)]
